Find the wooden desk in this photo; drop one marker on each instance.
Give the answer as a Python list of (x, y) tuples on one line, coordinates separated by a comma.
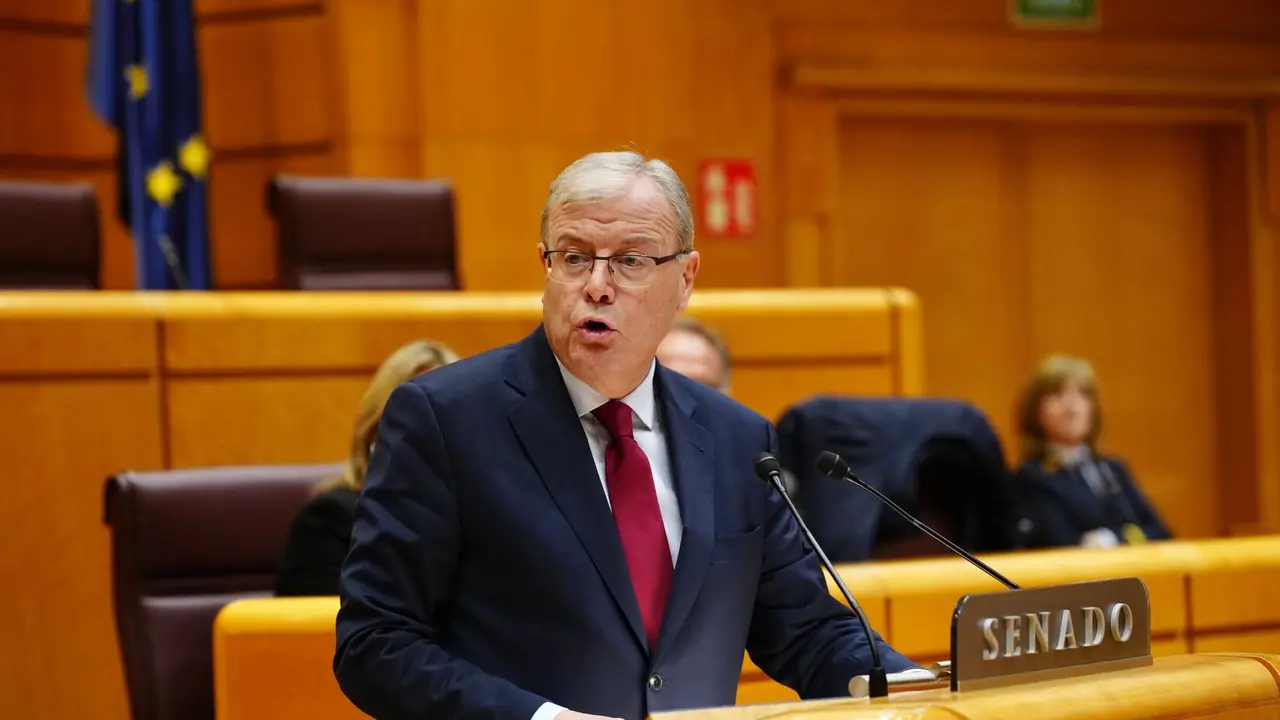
[(1218, 595), (909, 602), (1222, 687), (95, 383), (273, 659)]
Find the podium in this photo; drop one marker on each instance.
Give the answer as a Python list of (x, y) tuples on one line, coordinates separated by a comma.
[(1222, 687), (273, 658), (1075, 650)]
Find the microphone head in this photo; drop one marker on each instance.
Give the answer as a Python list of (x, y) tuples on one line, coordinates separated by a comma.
[(767, 466), (832, 465)]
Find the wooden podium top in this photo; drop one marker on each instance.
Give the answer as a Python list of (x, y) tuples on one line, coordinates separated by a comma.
[(1183, 686)]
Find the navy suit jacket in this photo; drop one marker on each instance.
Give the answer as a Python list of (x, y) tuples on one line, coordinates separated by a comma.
[(1059, 507), (486, 575)]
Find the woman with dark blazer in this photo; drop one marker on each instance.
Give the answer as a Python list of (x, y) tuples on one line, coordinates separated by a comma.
[(1070, 494), (321, 532)]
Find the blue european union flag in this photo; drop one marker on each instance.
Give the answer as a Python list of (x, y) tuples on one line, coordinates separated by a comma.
[(144, 81)]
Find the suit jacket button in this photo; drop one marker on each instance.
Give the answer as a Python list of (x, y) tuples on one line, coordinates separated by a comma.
[(655, 682)]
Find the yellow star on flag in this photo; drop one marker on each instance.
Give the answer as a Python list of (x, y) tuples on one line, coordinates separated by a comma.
[(193, 157), (138, 81), (163, 183)]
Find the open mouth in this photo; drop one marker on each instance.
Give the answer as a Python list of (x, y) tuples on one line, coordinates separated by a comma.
[(594, 327)]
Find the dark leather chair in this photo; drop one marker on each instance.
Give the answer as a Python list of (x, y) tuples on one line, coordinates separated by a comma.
[(184, 543), (364, 234), (937, 458), (50, 236)]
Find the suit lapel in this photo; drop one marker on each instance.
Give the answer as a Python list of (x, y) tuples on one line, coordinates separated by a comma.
[(549, 429), (692, 461)]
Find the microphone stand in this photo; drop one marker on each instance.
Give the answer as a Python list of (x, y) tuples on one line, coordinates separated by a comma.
[(878, 679), (835, 466)]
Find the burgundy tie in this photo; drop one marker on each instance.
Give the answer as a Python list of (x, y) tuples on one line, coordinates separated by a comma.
[(635, 508)]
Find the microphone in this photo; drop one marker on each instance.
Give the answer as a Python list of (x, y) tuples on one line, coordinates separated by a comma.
[(173, 262), (769, 470), (834, 466)]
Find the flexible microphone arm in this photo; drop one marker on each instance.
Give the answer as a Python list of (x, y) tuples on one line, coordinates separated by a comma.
[(769, 470), (834, 466)]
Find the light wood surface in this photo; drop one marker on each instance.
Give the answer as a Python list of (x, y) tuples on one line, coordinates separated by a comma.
[(1206, 596), (273, 659), (910, 603), (456, 88), (96, 383), (1235, 687)]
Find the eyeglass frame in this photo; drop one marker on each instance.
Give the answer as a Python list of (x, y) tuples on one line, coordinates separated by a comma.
[(658, 261)]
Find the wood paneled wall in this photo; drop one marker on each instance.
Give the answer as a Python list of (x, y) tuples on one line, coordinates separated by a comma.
[(511, 92), (271, 105), (497, 96), (1110, 193)]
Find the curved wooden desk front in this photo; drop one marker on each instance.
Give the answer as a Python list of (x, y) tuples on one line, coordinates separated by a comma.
[(1215, 595), (273, 659), (95, 383), (1218, 595), (1222, 687)]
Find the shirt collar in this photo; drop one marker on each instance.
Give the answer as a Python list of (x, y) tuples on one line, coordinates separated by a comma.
[(586, 399), (1069, 456)]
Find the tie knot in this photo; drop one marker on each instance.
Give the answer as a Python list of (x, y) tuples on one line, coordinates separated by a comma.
[(616, 415)]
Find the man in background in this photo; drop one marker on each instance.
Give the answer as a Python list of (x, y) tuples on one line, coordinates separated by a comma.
[(697, 352)]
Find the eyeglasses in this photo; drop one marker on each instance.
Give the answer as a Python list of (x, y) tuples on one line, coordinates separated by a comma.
[(629, 270)]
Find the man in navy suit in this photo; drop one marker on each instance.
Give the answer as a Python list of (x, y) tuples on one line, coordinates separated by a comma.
[(562, 528)]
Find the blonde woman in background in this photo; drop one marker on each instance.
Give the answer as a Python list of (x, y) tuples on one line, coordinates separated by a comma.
[(320, 534), (1072, 495)]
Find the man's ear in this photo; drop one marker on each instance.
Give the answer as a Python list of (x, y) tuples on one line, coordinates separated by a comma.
[(688, 272)]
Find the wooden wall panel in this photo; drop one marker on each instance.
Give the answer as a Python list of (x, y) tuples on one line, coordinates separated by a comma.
[(1031, 239), (68, 438), (1269, 173), (905, 219), (245, 8), (1118, 270), (50, 12), (43, 112), (265, 81), (244, 255), (1247, 20), (771, 388), (263, 420), (678, 79), (81, 396), (375, 58), (1239, 459)]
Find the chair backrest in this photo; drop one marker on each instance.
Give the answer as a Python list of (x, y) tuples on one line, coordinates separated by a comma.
[(50, 236), (184, 543), (937, 458), (364, 234)]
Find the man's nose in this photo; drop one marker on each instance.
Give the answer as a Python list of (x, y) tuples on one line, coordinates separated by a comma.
[(599, 287)]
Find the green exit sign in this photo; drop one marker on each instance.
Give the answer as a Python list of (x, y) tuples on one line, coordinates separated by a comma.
[(1057, 13)]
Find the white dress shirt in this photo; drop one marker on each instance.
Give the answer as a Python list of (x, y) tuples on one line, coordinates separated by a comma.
[(649, 436)]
